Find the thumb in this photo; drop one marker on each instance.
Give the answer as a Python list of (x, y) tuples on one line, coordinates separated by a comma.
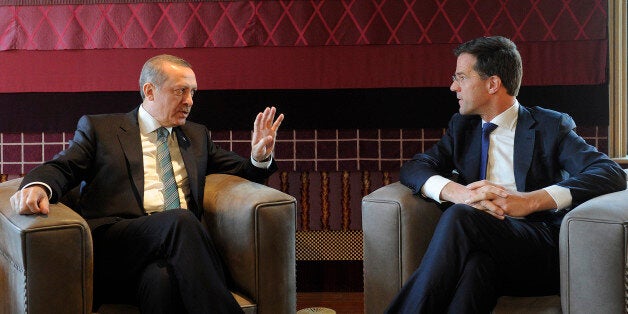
[(44, 205)]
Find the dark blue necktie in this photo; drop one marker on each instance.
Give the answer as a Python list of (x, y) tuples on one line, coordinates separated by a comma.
[(487, 128)]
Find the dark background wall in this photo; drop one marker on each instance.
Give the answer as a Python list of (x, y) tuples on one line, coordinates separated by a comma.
[(372, 108)]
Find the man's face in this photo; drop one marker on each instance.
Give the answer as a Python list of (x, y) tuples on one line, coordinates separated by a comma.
[(471, 90), (171, 102)]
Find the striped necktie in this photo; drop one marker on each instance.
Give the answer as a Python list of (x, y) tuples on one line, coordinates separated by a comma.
[(166, 174)]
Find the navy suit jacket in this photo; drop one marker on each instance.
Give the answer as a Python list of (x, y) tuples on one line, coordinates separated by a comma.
[(547, 151), (105, 159)]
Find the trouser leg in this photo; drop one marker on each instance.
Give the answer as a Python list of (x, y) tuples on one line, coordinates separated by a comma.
[(480, 277), (157, 292), (125, 249), (522, 251)]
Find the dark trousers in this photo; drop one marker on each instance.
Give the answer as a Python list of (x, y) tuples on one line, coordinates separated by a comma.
[(473, 258), (165, 262)]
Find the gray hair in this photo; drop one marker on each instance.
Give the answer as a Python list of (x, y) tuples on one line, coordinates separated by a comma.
[(152, 71)]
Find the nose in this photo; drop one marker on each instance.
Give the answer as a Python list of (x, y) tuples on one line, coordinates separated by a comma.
[(188, 100), (454, 86)]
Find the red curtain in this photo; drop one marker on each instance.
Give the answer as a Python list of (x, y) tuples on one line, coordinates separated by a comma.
[(293, 44)]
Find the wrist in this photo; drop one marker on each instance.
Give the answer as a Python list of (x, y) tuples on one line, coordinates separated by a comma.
[(454, 192), (267, 159)]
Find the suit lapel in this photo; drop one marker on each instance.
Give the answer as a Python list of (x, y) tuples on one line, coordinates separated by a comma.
[(129, 138), (524, 147), (188, 160), (474, 142)]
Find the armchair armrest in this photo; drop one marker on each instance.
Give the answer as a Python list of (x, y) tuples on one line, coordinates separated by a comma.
[(254, 227), (46, 261), (397, 228), (593, 257)]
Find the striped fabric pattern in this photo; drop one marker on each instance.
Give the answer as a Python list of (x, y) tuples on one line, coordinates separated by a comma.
[(166, 173)]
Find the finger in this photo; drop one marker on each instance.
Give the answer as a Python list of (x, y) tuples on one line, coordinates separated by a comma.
[(490, 206), (268, 116), (44, 205), (500, 217), (482, 206), (278, 122), (257, 124), (263, 142), (487, 189), (496, 191), (480, 196), (18, 204), (259, 149), (484, 196), (499, 190), (31, 203), (15, 202), (477, 184)]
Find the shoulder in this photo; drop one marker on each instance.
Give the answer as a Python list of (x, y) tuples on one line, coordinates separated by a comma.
[(461, 122), (106, 122), (109, 118), (193, 127), (546, 117)]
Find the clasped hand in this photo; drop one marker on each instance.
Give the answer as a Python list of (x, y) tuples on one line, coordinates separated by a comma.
[(497, 201)]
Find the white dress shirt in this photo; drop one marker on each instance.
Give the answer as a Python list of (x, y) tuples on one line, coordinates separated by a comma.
[(500, 167), (153, 186)]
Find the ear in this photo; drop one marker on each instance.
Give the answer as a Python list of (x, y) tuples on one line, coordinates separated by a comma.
[(494, 84), (149, 91)]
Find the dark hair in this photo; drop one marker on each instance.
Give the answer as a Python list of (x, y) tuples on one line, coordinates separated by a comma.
[(152, 71), (496, 56)]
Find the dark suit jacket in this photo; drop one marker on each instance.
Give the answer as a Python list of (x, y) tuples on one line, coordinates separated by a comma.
[(547, 151), (105, 159)]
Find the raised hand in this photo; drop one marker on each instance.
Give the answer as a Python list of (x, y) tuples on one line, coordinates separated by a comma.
[(264, 134)]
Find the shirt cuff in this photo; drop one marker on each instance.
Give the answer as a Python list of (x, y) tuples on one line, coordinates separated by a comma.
[(41, 183), (561, 195), (433, 187), (262, 164)]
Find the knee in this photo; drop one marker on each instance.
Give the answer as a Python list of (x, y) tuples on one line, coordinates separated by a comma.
[(181, 217), (458, 212), (183, 227), (461, 216)]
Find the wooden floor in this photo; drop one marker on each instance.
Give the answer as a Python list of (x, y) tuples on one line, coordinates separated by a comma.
[(341, 302)]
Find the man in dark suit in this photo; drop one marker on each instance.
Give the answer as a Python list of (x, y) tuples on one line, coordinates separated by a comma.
[(499, 232), (141, 178)]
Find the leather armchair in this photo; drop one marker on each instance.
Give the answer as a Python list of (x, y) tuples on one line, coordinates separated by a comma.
[(46, 261), (398, 226)]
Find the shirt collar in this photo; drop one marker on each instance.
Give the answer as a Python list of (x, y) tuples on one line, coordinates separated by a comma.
[(508, 118), (147, 123)]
